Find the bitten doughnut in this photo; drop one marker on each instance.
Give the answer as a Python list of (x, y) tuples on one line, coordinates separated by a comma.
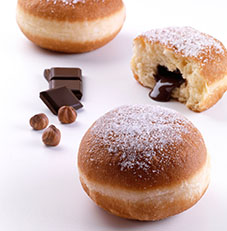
[(181, 63), (70, 26), (143, 162)]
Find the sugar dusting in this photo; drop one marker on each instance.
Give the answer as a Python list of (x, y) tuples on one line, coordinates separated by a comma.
[(139, 133), (186, 40), (71, 2)]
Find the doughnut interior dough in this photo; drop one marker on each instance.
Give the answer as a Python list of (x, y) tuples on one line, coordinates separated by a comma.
[(201, 59)]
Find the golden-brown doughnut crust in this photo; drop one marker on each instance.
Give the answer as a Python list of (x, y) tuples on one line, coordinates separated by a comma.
[(140, 210), (89, 10), (70, 26), (143, 162), (68, 46), (141, 148)]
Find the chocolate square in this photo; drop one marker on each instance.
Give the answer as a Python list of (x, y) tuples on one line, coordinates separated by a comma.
[(58, 97), (63, 73), (74, 85)]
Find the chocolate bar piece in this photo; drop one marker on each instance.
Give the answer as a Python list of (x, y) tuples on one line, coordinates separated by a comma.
[(74, 85), (65, 77), (63, 73), (58, 97)]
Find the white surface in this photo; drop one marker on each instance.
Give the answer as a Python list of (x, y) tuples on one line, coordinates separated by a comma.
[(40, 189)]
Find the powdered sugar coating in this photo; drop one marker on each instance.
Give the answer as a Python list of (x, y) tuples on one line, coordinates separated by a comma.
[(187, 41), (71, 2), (138, 134)]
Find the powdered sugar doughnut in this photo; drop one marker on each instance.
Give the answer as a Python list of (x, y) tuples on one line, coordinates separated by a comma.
[(195, 61), (71, 26), (143, 162)]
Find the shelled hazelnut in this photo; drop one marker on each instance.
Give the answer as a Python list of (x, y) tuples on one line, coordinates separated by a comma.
[(51, 136), (39, 121), (67, 114)]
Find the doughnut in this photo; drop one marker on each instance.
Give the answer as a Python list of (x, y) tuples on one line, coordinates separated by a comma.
[(143, 162), (181, 63), (70, 26)]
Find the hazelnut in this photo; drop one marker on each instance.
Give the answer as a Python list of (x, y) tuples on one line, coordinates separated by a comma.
[(39, 121), (51, 136), (67, 114)]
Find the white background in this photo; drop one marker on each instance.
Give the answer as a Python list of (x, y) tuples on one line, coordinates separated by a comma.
[(39, 186)]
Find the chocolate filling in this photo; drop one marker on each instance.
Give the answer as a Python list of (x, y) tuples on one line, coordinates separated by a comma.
[(166, 81)]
